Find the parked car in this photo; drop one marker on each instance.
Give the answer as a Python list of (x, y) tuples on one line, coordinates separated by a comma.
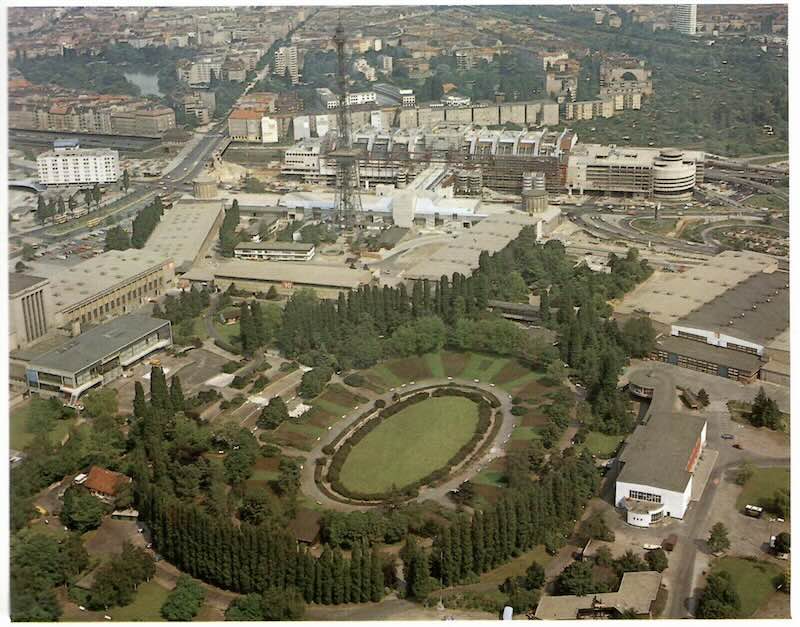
[(727, 436)]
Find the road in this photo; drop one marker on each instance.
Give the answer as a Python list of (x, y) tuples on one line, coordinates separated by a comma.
[(436, 493)]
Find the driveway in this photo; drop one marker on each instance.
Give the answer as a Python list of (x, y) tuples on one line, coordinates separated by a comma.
[(435, 493)]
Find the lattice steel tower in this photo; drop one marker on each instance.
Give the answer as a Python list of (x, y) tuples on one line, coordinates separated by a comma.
[(348, 199)]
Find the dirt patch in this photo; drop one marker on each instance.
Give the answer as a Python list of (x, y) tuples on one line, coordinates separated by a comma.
[(340, 396), (454, 363), (268, 463), (319, 417), (512, 371), (490, 493), (535, 420), (294, 439), (533, 391), (109, 537), (410, 368)]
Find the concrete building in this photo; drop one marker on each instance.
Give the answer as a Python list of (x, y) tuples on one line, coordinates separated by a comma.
[(97, 357), (286, 62), (684, 18), (659, 458), (204, 187), (589, 109), (30, 309), (244, 125), (637, 593), (109, 285), (186, 232), (274, 251), (666, 174), (69, 164), (286, 277)]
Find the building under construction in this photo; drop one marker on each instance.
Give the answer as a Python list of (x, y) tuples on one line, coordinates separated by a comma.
[(500, 160)]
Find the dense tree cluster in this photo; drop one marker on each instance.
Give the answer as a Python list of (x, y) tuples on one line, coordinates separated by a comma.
[(116, 581), (184, 601), (228, 237), (764, 411), (39, 562), (719, 599), (274, 604), (184, 307), (145, 223), (117, 238), (257, 325)]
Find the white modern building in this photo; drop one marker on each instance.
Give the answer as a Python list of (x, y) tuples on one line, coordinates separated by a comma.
[(358, 98), (660, 457), (286, 62), (69, 164), (684, 18), (274, 251)]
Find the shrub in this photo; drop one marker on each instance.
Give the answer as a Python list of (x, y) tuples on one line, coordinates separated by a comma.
[(380, 403), (355, 380), (231, 367), (227, 347), (519, 410)]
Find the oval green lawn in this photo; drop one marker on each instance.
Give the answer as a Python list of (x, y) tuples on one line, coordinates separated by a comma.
[(410, 445)]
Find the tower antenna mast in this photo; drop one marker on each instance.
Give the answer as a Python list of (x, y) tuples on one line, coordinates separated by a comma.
[(348, 200)]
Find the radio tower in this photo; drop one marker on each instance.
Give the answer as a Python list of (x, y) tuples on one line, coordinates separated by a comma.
[(348, 200)]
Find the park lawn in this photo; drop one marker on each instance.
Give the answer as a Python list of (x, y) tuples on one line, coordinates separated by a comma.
[(409, 369), (659, 227), (199, 328), (301, 436), (384, 376), (410, 444), (494, 478), (331, 408), (490, 580), (434, 363), (20, 437), (454, 363), (229, 332), (752, 579), (762, 486), (520, 385), (522, 432), (601, 444), (512, 371), (481, 366), (146, 605)]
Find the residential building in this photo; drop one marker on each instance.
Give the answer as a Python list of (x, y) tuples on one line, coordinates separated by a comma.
[(97, 356), (68, 164), (30, 309), (105, 484), (286, 62), (684, 18), (274, 251)]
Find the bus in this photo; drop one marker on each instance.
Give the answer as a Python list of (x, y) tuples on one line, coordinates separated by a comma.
[(93, 222), (754, 511)]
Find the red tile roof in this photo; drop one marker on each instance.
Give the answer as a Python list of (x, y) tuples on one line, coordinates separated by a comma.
[(104, 481)]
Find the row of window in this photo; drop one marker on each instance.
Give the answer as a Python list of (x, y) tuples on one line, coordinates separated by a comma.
[(644, 496), (123, 299)]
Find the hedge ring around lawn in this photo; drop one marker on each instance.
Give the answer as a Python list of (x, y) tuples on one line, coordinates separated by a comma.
[(486, 403)]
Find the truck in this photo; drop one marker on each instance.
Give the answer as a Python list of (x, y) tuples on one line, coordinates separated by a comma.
[(754, 511), (668, 544)]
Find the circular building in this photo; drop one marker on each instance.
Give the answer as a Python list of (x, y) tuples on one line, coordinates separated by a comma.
[(205, 187), (673, 175), (642, 383), (535, 200)]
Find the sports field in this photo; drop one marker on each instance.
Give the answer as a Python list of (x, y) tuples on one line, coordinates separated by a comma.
[(410, 445)]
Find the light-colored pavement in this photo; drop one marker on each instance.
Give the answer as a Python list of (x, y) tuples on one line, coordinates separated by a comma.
[(435, 493)]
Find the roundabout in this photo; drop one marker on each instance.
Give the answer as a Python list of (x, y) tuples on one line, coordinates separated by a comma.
[(418, 443)]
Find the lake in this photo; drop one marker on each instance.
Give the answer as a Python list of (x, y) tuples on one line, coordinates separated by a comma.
[(147, 83)]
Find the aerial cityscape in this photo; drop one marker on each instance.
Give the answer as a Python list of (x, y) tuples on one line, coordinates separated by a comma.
[(414, 312)]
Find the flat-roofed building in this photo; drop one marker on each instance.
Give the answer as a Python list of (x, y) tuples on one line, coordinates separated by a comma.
[(98, 356), (30, 309), (286, 277), (637, 593), (186, 231), (71, 165), (274, 251), (659, 458), (109, 285)]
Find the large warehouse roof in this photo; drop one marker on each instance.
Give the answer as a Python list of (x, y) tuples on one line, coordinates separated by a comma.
[(94, 276), (756, 310), (667, 297), (657, 453), (98, 343), (184, 228)]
